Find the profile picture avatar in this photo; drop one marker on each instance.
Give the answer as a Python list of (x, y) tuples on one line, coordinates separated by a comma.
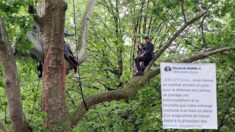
[(167, 68)]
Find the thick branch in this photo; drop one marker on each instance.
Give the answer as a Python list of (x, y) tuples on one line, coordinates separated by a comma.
[(108, 96), (174, 36), (207, 54), (11, 82), (134, 86), (82, 45), (53, 101)]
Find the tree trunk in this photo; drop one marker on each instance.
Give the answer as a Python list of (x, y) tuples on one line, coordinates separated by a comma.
[(53, 100), (118, 42), (51, 21), (11, 83)]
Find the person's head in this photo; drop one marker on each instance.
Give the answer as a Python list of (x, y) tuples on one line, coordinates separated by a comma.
[(147, 39)]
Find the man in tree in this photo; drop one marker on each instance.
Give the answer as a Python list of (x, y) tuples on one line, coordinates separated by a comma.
[(145, 56), (68, 55)]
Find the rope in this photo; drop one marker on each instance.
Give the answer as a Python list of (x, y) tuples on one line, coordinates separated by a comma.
[(75, 24), (76, 42), (35, 98), (80, 86)]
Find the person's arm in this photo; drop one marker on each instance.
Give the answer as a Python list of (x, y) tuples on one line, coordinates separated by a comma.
[(142, 54), (140, 49), (140, 46)]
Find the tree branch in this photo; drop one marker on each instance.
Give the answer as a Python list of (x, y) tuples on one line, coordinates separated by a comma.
[(204, 45), (11, 82), (207, 54), (132, 89), (173, 37), (82, 46), (33, 12), (182, 10)]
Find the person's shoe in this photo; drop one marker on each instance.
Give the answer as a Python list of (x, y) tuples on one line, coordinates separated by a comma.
[(139, 73), (76, 75)]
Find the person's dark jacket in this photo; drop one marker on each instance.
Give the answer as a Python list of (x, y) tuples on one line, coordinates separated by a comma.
[(149, 47)]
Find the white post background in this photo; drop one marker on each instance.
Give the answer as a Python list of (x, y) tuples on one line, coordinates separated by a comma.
[(188, 96)]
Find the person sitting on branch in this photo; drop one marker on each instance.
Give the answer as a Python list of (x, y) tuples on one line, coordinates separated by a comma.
[(145, 55)]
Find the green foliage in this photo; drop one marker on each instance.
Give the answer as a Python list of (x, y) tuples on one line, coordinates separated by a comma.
[(18, 22), (31, 92)]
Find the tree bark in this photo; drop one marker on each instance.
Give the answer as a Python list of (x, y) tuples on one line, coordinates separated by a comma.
[(11, 83), (53, 100), (82, 45)]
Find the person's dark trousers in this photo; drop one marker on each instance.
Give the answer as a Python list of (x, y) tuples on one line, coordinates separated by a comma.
[(146, 59), (72, 61), (40, 69)]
